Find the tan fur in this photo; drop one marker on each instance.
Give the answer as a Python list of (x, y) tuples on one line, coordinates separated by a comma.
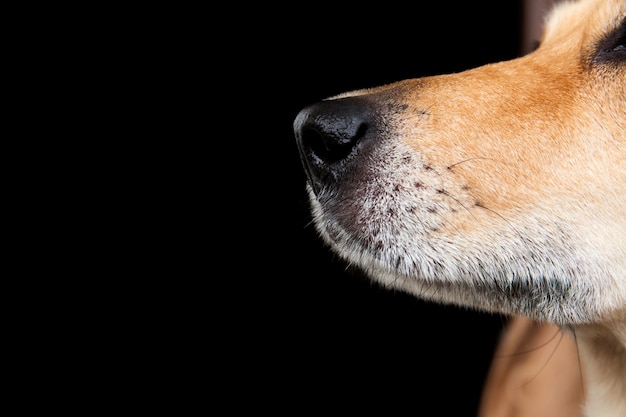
[(534, 373), (501, 188)]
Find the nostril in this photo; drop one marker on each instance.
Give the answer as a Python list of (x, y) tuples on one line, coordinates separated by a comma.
[(311, 139), (330, 136), (330, 145)]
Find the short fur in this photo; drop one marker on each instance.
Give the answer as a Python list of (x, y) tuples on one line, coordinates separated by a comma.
[(501, 188)]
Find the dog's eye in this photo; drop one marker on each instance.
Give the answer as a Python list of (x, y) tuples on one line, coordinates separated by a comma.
[(613, 47), (621, 44)]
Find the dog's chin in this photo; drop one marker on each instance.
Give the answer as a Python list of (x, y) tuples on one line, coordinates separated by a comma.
[(537, 274)]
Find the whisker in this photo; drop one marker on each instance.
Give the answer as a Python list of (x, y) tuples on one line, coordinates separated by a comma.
[(475, 159), (521, 236)]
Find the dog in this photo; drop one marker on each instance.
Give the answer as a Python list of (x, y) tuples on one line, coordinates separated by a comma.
[(500, 188)]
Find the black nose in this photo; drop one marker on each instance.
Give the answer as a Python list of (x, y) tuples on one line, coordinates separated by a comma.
[(328, 133)]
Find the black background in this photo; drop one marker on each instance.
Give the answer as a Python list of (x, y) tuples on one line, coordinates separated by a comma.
[(310, 335)]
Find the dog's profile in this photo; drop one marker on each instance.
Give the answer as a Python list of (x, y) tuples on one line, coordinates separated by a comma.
[(500, 188)]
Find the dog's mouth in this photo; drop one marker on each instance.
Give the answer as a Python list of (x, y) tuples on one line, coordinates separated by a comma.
[(370, 193), (416, 225), (367, 186)]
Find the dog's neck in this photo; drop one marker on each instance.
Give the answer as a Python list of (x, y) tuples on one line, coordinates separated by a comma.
[(603, 357)]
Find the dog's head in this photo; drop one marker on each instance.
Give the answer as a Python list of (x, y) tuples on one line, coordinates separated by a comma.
[(501, 188)]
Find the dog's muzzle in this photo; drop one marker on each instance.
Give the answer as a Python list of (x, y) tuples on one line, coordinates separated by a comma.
[(330, 134)]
